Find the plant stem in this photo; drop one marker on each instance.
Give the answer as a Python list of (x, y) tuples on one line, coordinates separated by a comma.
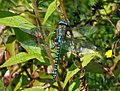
[(38, 20), (64, 12), (39, 23)]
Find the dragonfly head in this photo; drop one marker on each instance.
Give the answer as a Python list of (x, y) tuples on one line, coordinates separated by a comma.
[(63, 22)]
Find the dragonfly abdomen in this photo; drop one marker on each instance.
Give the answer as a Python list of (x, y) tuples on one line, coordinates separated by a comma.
[(57, 56)]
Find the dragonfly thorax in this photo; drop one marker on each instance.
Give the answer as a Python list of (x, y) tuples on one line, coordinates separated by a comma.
[(61, 30)]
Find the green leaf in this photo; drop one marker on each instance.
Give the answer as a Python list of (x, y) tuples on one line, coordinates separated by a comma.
[(69, 75), (34, 89), (31, 49), (4, 14), (18, 85), (87, 58), (116, 60), (99, 69), (11, 48), (27, 37), (92, 2), (16, 21), (49, 36), (1, 85), (34, 50), (55, 84), (74, 85), (115, 68), (50, 10), (18, 58)]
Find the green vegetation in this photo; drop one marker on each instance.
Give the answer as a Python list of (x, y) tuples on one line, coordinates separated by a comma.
[(89, 55)]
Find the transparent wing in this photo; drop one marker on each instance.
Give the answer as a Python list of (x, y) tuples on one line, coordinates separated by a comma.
[(32, 31)]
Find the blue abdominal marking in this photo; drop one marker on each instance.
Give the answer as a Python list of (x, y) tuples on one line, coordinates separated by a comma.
[(60, 32)]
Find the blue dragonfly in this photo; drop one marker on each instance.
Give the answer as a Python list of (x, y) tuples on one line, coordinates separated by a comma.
[(83, 46), (60, 32)]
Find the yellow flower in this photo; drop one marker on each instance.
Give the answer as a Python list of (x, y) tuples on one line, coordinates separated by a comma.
[(108, 54)]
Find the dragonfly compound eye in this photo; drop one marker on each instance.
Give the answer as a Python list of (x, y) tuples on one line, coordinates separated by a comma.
[(63, 22)]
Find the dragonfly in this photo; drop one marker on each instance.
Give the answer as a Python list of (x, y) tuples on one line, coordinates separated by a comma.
[(60, 33), (61, 28), (83, 46)]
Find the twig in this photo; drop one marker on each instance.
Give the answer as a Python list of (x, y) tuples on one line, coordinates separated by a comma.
[(38, 20), (66, 18), (64, 12), (111, 23), (83, 82), (39, 23), (60, 86)]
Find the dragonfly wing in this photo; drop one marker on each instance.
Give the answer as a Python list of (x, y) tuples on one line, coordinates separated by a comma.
[(31, 32)]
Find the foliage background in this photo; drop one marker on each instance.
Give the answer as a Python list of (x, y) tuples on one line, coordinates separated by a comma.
[(26, 60)]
